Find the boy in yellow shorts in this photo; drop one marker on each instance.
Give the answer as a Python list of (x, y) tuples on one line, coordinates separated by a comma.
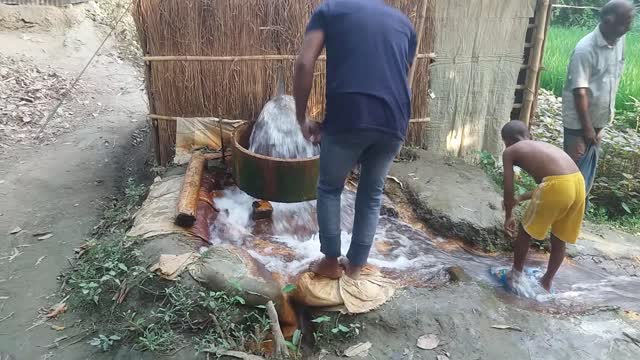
[(558, 203)]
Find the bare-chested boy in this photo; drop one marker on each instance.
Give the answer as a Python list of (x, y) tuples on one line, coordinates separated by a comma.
[(557, 203)]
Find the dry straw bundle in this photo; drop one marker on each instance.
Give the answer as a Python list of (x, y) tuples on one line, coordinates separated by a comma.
[(235, 88)]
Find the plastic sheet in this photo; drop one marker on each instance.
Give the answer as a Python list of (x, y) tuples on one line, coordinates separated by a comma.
[(200, 133)]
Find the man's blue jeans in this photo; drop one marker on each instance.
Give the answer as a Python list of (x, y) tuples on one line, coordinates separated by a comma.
[(339, 153)]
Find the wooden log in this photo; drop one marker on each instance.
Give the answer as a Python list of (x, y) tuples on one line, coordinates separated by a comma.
[(188, 200)]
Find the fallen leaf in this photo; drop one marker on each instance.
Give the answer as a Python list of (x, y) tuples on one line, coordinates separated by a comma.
[(41, 233), (428, 342), (40, 260), (361, 350), (16, 230), (506, 327), (57, 327), (57, 310), (45, 237)]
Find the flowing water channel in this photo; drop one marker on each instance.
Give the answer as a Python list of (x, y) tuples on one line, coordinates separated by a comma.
[(288, 242)]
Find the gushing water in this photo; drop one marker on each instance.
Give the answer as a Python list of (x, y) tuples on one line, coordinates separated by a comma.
[(277, 134), (289, 242)]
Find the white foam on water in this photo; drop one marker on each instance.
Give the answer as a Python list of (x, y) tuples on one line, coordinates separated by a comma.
[(295, 227)]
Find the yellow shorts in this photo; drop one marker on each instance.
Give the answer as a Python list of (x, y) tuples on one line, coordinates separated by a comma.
[(557, 203)]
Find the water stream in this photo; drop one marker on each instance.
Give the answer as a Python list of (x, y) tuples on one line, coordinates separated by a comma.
[(288, 244)]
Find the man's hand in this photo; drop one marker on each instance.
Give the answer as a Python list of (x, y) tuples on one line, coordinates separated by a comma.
[(590, 136), (510, 226), (311, 131)]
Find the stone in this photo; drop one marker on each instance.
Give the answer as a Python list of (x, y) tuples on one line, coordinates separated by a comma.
[(233, 270), (262, 210)]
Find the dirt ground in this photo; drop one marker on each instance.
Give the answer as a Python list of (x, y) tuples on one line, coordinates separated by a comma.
[(61, 186)]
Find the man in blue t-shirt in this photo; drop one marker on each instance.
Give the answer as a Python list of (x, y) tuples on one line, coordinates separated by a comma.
[(370, 47)]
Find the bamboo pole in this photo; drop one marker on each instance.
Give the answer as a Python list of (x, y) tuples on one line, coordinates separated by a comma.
[(238, 122), (188, 200), (244, 58), (421, 20), (546, 33), (529, 92), (175, 118)]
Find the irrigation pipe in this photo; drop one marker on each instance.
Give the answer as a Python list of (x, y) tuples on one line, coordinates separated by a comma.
[(77, 78)]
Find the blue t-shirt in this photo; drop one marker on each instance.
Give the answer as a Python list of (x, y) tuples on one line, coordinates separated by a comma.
[(370, 47)]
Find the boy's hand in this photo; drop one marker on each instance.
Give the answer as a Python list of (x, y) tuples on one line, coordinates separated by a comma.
[(510, 226)]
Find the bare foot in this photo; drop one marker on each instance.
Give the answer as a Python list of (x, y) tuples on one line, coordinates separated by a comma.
[(353, 271), (328, 267), (546, 284)]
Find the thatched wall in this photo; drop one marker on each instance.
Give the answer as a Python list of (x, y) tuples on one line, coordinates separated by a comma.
[(239, 89)]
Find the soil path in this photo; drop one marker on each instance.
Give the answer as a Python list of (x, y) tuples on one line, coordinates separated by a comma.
[(61, 188)]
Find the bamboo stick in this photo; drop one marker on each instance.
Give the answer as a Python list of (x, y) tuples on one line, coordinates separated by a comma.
[(246, 58), (546, 33), (175, 118), (188, 200), (280, 350), (420, 31), (234, 122), (534, 61)]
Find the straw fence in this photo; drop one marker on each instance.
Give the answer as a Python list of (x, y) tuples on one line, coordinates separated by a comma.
[(219, 59)]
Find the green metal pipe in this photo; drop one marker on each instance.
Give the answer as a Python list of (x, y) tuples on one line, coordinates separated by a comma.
[(272, 179)]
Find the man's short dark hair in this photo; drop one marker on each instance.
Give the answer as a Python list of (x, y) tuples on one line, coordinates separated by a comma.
[(615, 8), (515, 130)]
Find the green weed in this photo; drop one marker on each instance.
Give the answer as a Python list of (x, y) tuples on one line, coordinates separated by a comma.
[(103, 342), (329, 331)]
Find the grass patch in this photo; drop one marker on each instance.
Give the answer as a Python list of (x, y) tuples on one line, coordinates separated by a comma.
[(560, 44), (129, 306)]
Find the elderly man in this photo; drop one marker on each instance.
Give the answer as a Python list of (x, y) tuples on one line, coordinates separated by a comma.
[(593, 77), (370, 47)]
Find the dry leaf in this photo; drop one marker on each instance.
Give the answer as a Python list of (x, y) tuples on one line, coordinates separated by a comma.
[(57, 310), (506, 327), (361, 350), (40, 260), (16, 230), (428, 342), (41, 233), (57, 327), (45, 237)]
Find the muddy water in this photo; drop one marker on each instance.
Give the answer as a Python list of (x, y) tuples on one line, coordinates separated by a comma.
[(288, 244)]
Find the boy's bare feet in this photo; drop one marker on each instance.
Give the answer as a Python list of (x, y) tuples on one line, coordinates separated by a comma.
[(328, 267), (546, 284)]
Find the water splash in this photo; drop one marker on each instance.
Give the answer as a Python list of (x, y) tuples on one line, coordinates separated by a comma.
[(277, 133)]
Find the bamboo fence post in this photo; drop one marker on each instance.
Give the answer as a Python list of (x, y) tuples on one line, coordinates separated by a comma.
[(546, 34), (529, 92), (421, 20)]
